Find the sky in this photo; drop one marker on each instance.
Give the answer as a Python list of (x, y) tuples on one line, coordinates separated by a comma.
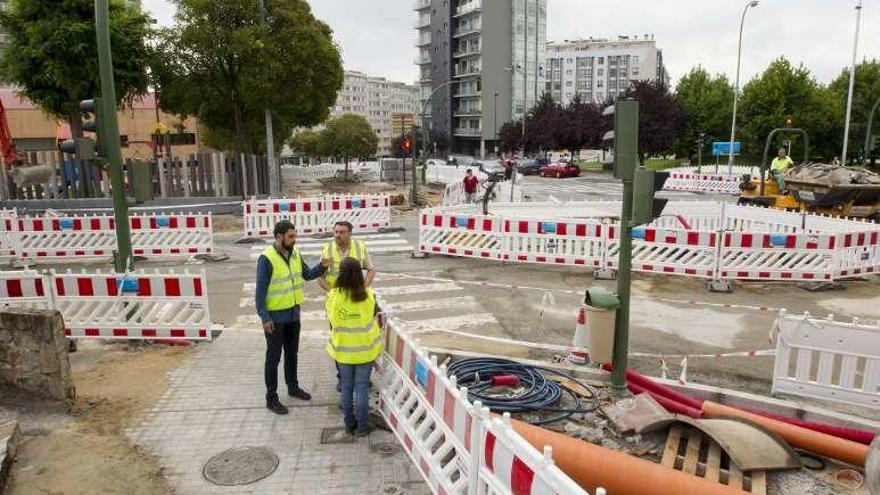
[(377, 36)]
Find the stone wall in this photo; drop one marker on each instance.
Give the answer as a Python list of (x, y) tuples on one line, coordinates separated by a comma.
[(33, 352)]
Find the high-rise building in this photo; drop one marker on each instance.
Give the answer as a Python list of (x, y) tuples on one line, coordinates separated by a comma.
[(482, 60), (379, 101), (600, 69)]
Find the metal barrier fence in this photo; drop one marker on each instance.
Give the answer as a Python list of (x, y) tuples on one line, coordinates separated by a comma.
[(827, 359), (315, 215), (45, 238), (449, 174), (505, 191), (113, 306), (457, 445), (696, 239), (703, 179)]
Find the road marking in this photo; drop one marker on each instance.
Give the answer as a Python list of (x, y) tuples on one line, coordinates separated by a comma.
[(386, 276), (450, 322), (458, 303), (387, 247), (417, 289)]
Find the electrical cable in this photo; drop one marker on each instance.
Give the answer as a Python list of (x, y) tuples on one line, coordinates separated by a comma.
[(539, 393)]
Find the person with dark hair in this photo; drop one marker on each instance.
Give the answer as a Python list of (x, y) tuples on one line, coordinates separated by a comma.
[(355, 342), (281, 272), (343, 246), (470, 186)]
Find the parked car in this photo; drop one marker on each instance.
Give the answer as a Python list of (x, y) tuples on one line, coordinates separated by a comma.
[(529, 166), (493, 168), (560, 169)]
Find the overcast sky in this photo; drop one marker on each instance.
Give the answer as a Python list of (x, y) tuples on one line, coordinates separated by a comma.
[(376, 36)]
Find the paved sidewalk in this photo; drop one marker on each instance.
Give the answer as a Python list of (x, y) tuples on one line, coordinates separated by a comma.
[(216, 402)]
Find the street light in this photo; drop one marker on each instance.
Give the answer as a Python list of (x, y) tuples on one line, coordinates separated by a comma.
[(496, 123), (751, 3), (852, 80), (415, 187)]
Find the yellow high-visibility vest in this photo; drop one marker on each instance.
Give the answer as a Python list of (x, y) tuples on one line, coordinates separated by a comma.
[(355, 336), (358, 251), (782, 164), (286, 286)]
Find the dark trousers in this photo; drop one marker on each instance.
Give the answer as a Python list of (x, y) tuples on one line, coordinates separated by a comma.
[(286, 338)]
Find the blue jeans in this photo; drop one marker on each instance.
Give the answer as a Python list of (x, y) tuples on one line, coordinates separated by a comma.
[(355, 388)]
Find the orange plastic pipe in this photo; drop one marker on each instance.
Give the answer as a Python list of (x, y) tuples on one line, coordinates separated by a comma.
[(593, 467), (809, 440)]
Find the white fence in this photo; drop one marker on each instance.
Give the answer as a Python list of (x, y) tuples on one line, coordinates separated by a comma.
[(456, 445), (114, 306), (827, 359), (705, 180), (696, 239), (315, 215), (364, 171), (71, 238), (505, 191), (449, 174)]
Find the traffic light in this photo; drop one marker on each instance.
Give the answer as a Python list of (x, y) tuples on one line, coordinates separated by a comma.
[(407, 144), (87, 148), (625, 136), (645, 185)]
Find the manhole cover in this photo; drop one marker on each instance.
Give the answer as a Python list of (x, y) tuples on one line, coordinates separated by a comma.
[(240, 466), (331, 436), (386, 449), (392, 489)]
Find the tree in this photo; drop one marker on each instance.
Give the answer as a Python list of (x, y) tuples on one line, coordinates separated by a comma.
[(308, 142), (782, 92), (510, 136), (221, 63), (350, 136), (543, 124), (661, 118), (708, 105), (866, 92), (52, 54), (581, 126)]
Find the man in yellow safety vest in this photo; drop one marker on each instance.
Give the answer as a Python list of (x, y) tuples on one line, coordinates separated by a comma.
[(343, 246), (281, 272), (779, 166)]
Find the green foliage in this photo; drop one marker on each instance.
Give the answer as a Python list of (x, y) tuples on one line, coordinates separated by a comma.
[(784, 91), (661, 118), (309, 142), (866, 93), (708, 105), (222, 64), (657, 164), (350, 136), (52, 53)]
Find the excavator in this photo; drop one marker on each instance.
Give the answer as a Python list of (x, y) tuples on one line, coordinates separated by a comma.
[(814, 187)]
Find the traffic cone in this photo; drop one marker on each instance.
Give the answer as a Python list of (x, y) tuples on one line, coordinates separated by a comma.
[(578, 353)]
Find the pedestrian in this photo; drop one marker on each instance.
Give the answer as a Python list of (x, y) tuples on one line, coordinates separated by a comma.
[(508, 169), (281, 272), (355, 342), (779, 166), (343, 246), (470, 186)]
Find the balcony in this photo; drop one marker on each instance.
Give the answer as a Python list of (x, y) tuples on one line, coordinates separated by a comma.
[(468, 132), (422, 22), (421, 4), (468, 8), (467, 71), (466, 31), (468, 112), (469, 52), (468, 94), (421, 41), (422, 60)]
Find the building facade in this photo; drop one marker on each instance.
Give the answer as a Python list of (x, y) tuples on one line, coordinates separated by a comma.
[(600, 69), (381, 102), (480, 65)]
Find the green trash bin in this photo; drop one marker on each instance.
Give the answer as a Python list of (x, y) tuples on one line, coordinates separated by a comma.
[(601, 306), (142, 181)]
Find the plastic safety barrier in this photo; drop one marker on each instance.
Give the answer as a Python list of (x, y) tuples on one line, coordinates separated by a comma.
[(115, 306), (695, 239), (708, 179), (316, 215), (505, 191), (458, 446), (76, 237), (827, 359), (449, 174), (7, 248)]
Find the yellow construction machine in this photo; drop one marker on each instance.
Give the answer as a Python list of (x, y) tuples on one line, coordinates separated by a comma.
[(814, 187)]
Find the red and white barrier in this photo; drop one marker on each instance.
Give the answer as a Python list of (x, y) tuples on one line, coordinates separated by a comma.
[(7, 246), (316, 215), (457, 446), (36, 239), (704, 240), (114, 306)]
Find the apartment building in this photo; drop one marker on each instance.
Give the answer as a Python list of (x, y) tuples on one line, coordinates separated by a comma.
[(479, 66)]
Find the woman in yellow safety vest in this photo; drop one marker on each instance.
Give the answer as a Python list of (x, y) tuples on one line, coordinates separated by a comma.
[(355, 341)]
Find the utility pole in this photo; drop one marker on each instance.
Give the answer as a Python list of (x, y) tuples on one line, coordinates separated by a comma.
[(111, 148), (700, 152), (272, 165), (750, 4), (626, 159), (852, 81)]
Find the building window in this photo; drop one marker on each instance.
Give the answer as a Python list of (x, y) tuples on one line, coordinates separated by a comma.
[(601, 72), (600, 83), (601, 60), (567, 84)]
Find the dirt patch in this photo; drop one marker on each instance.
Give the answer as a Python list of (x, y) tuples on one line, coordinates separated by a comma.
[(228, 223), (91, 454)]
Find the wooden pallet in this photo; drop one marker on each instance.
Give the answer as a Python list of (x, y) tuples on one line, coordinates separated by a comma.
[(689, 451)]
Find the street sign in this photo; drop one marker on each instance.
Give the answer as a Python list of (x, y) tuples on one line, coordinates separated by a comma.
[(721, 148)]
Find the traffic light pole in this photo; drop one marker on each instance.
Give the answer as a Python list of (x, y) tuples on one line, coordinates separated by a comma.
[(110, 141)]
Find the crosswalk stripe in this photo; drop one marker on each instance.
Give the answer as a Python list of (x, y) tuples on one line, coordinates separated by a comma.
[(387, 276), (418, 289), (458, 303), (247, 302), (450, 322), (397, 248)]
